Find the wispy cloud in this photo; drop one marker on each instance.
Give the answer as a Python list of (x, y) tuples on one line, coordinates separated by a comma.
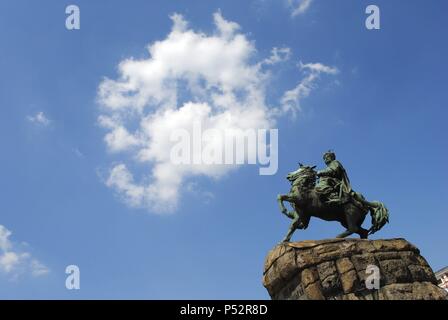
[(38, 269), (291, 99), (14, 261), (194, 189), (78, 153), (299, 7), (39, 118), (278, 55)]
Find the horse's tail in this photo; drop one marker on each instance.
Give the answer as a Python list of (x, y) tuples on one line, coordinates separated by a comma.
[(379, 214)]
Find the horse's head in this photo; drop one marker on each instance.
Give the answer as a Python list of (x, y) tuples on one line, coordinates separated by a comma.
[(305, 176)]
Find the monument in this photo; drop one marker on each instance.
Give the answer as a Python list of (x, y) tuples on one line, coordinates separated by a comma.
[(339, 268)]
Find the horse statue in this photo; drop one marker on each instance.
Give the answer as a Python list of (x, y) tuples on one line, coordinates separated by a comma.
[(307, 202)]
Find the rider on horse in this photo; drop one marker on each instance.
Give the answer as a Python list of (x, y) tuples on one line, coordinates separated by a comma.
[(334, 185), (331, 199)]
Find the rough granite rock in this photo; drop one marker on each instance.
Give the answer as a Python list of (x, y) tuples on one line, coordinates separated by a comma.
[(335, 269)]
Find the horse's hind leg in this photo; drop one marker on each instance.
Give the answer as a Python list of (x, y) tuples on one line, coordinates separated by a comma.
[(359, 230), (354, 226), (363, 233), (344, 234)]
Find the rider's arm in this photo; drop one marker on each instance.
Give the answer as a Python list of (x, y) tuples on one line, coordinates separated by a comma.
[(330, 171)]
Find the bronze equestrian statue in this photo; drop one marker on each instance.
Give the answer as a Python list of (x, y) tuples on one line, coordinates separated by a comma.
[(330, 199)]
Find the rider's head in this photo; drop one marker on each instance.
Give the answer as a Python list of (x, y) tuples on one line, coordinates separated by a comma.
[(329, 156)]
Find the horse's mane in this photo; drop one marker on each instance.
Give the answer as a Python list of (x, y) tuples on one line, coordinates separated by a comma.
[(305, 179)]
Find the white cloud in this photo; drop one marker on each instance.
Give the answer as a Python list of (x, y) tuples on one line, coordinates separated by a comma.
[(278, 55), (78, 153), (38, 269), (14, 261), (5, 244), (188, 77), (318, 68), (118, 139), (194, 189), (39, 118), (291, 99), (299, 6), (121, 179), (9, 260), (226, 28)]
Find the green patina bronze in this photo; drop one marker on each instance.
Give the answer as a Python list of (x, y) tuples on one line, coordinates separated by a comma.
[(327, 195)]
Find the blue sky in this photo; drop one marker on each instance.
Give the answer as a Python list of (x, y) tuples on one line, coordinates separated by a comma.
[(383, 112)]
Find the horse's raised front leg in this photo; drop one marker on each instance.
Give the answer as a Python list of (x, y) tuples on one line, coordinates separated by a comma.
[(286, 197), (296, 223), (280, 199)]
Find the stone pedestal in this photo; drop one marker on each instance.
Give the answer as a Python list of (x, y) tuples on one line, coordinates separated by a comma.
[(336, 269)]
